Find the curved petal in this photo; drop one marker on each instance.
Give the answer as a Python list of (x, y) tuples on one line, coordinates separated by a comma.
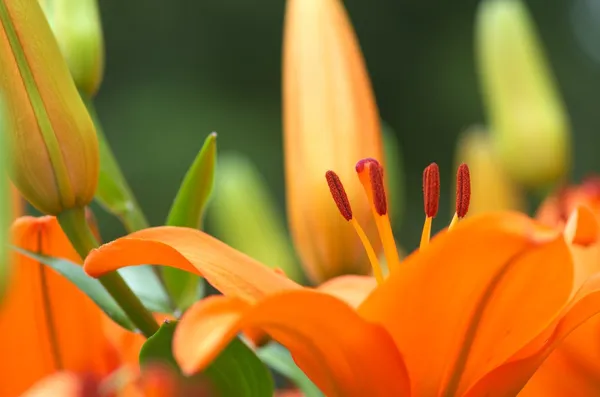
[(581, 233), (561, 376), (343, 354), (472, 298), (47, 323), (522, 365), (227, 269), (351, 289)]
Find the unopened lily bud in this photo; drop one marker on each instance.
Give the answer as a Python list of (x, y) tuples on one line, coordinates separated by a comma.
[(77, 28), (491, 188), (51, 138), (330, 121), (527, 117)]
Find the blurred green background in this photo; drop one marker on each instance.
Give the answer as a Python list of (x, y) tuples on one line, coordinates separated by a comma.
[(177, 70)]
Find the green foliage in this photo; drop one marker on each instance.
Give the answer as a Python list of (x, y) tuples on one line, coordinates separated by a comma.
[(188, 211), (237, 371), (90, 286)]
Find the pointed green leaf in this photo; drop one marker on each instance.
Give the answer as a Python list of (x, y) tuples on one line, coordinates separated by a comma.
[(144, 283), (279, 359), (190, 203), (245, 216), (188, 211), (237, 371), (90, 286)]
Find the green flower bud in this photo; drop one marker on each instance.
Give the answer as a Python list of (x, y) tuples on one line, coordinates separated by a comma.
[(528, 121), (77, 28)]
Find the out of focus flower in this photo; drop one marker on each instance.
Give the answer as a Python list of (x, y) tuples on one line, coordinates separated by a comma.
[(330, 120), (573, 369), (471, 313), (154, 381), (51, 138), (527, 117), (76, 26), (492, 188), (46, 323)]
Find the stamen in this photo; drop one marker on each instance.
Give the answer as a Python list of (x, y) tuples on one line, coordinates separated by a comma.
[(463, 190), (339, 194), (341, 201), (431, 189), (431, 199), (463, 194), (370, 173)]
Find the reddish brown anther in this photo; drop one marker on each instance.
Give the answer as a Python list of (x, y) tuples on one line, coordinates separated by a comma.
[(339, 194), (431, 189), (379, 197), (463, 190)]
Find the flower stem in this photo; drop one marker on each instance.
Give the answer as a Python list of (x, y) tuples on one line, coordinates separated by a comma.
[(75, 226)]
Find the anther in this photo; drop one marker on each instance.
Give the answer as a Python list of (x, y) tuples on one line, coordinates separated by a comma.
[(379, 198), (431, 189), (463, 190), (339, 194)]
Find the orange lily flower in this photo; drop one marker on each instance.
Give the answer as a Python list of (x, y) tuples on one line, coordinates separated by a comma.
[(330, 119), (574, 367), (473, 313), (46, 323)]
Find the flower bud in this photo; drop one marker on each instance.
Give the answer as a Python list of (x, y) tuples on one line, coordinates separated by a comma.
[(77, 28), (330, 122), (491, 188), (51, 137), (528, 121)]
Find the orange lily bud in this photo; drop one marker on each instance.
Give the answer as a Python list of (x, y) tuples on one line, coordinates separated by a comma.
[(52, 140), (47, 323), (330, 121), (491, 189), (77, 28), (529, 123)]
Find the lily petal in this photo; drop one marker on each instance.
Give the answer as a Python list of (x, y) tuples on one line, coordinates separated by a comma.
[(343, 354), (523, 364), (47, 323), (227, 269), (349, 288), (502, 280)]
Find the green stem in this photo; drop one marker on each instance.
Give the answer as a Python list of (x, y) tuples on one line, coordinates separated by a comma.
[(75, 226)]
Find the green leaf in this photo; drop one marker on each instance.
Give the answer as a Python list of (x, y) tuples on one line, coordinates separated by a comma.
[(237, 371), (90, 286), (280, 359), (187, 211), (144, 283), (190, 203), (244, 214)]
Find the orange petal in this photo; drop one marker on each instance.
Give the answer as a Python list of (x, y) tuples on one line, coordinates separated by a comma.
[(470, 300), (47, 323), (343, 354), (581, 234), (349, 288), (564, 375), (227, 269), (63, 384), (520, 368), (582, 227)]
